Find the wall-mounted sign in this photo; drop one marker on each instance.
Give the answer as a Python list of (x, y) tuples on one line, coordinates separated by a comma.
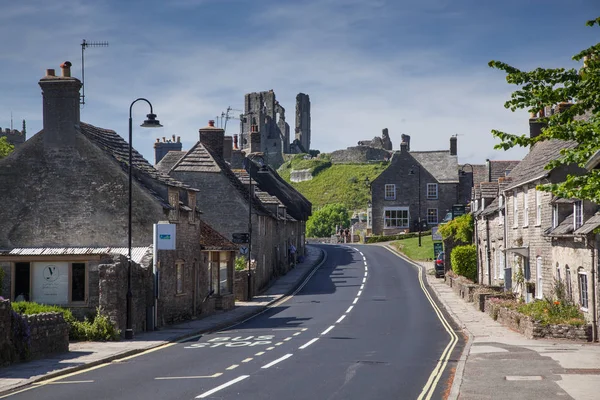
[(50, 282), (243, 250), (164, 236), (240, 237)]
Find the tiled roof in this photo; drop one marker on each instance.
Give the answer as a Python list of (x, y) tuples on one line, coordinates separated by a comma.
[(489, 190), (137, 253), (564, 228), (532, 166), (170, 159), (499, 168), (440, 164), (493, 207), (479, 174), (115, 146), (210, 239), (589, 225), (197, 159)]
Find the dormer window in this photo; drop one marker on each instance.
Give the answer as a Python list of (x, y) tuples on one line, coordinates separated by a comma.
[(577, 214)]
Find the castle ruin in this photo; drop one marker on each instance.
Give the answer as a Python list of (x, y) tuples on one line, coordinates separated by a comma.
[(13, 136)]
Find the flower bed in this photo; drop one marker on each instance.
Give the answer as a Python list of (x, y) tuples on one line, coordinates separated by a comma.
[(506, 311)]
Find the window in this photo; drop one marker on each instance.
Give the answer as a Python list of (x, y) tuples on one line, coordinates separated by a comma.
[(568, 286), (515, 210), (78, 282), (558, 277), (223, 272), (554, 216), (501, 217), (179, 276), (525, 208), (501, 266), (578, 214), (538, 277), (213, 272), (538, 207), (432, 216), (390, 192), (432, 191), (396, 218), (583, 288)]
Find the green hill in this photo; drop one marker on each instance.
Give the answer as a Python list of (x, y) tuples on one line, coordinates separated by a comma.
[(333, 183)]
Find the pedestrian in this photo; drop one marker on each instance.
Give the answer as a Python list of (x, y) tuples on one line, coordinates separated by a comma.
[(292, 254)]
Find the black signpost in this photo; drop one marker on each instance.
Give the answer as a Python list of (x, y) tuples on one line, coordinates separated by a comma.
[(239, 238)]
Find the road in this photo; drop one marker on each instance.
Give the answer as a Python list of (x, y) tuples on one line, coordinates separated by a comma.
[(362, 327)]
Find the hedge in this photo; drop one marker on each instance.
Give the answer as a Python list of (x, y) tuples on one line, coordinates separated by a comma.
[(464, 261)]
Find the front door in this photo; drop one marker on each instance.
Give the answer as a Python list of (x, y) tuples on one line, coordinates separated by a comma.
[(22, 279)]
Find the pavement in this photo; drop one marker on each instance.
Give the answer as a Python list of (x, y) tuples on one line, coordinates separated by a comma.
[(496, 363)]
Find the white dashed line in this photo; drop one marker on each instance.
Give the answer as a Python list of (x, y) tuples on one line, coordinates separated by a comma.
[(349, 309), (340, 320), (234, 366), (270, 348), (366, 272), (287, 338), (355, 301), (308, 343), (247, 360), (326, 331), (359, 293), (223, 386), (364, 280), (278, 344), (296, 334), (362, 286), (260, 353), (277, 361)]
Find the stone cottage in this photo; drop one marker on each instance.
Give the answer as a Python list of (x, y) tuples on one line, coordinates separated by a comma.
[(64, 220)]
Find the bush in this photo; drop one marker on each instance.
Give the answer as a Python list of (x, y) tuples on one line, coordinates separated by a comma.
[(550, 312), (464, 261), (460, 229), (241, 263)]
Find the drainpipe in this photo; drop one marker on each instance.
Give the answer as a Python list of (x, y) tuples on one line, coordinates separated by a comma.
[(505, 239), (594, 306), (488, 251)]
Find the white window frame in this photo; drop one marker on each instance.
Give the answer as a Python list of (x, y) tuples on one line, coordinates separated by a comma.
[(539, 293), (385, 219), (538, 207), (433, 193), (582, 282), (389, 191), (554, 215), (501, 266), (432, 221), (577, 214), (515, 209), (525, 208), (568, 282)]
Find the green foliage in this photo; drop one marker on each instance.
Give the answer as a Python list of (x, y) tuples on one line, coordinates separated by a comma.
[(550, 312), (464, 261), (460, 229), (99, 328), (387, 238), (544, 87), (322, 223), (241, 263), (335, 183), (5, 147)]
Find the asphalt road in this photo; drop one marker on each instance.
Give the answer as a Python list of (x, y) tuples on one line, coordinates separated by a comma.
[(362, 327)]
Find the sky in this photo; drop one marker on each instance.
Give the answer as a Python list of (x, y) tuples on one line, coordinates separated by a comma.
[(416, 67)]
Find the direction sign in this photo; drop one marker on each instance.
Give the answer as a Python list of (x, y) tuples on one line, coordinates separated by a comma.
[(243, 250), (240, 238)]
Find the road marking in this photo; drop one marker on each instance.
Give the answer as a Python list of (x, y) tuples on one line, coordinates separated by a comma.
[(349, 309), (277, 361), (287, 338), (62, 382), (362, 286), (524, 378), (304, 329), (247, 360), (278, 344), (355, 300), (359, 293), (308, 343), (297, 333), (260, 353), (270, 348), (167, 378), (326, 331), (234, 366), (364, 280), (223, 386), (340, 320), (366, 272)]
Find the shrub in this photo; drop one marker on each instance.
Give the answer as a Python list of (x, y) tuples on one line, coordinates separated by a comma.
[(464, 261), (550, 312), (460, 229), (241, 263)]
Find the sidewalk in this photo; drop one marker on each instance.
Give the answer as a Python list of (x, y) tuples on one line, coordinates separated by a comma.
[(498, 363), (83, 355)]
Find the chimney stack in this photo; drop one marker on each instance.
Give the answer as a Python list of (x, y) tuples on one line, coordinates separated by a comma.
[(212, 138), (535, 126), (403, 147), (162, 148), (453, 145), (60, 108), (227, 148)]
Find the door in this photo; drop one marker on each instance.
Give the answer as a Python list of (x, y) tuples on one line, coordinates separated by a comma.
[(22, 281)]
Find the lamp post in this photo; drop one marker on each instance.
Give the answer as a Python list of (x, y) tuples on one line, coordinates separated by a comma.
[(249, 233), (412, 172), (151, 122)]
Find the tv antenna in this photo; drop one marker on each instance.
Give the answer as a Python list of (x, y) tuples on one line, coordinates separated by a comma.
[(85, 44)]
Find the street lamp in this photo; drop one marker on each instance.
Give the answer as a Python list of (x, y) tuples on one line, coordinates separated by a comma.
[(151, 122), (412, 172)]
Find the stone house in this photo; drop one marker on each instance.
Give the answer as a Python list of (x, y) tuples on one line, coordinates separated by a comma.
[(416, 184), (64, 222)]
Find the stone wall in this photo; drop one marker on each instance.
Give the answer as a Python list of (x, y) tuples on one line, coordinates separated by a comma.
[(301, 175), (535, 330), (360, 154), (462, 288), (7, 351), (49, 334)]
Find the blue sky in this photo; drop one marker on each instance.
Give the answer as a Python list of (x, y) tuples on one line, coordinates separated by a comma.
[(416, 67)]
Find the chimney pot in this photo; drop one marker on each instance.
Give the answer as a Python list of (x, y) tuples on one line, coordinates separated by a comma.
[(178, 139), (66, 69), (50, 72), (211, 123)]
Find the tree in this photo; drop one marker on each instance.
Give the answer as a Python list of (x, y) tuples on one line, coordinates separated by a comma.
[(580, 122), (5, 147), (324, 221)]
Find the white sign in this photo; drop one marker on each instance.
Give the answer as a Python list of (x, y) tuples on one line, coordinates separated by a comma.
[(243, 250), (238, 341), (50, 282), (435, 235), (164, 236)]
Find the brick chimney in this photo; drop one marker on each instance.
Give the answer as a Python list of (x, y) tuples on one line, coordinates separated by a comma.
[(254, 145), (453, 145), (227, 147), (60, 107), (162, 148), (212, 138)]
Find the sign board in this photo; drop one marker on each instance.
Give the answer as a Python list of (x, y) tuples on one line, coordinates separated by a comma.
[(240, 238), (458, 210), (243, 250), (50, 282), (438, 247), (164, 236), (435, 235)]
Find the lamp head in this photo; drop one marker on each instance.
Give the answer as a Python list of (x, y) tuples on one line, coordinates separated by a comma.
[(151, 122)]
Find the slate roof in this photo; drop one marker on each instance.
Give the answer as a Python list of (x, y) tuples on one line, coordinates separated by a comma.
[(489, 190), (589, 225), (210, 239), (532, 166), (564, 228), (197, 159), (479, 174), (116, 147), (137, 253), (440, 164), (170, 159), (492, 208), (499, 168)]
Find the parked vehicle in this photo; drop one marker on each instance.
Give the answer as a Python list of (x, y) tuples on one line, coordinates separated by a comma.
[(439, 265)]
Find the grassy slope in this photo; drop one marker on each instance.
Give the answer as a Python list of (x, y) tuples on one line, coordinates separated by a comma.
[(411, 248)]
